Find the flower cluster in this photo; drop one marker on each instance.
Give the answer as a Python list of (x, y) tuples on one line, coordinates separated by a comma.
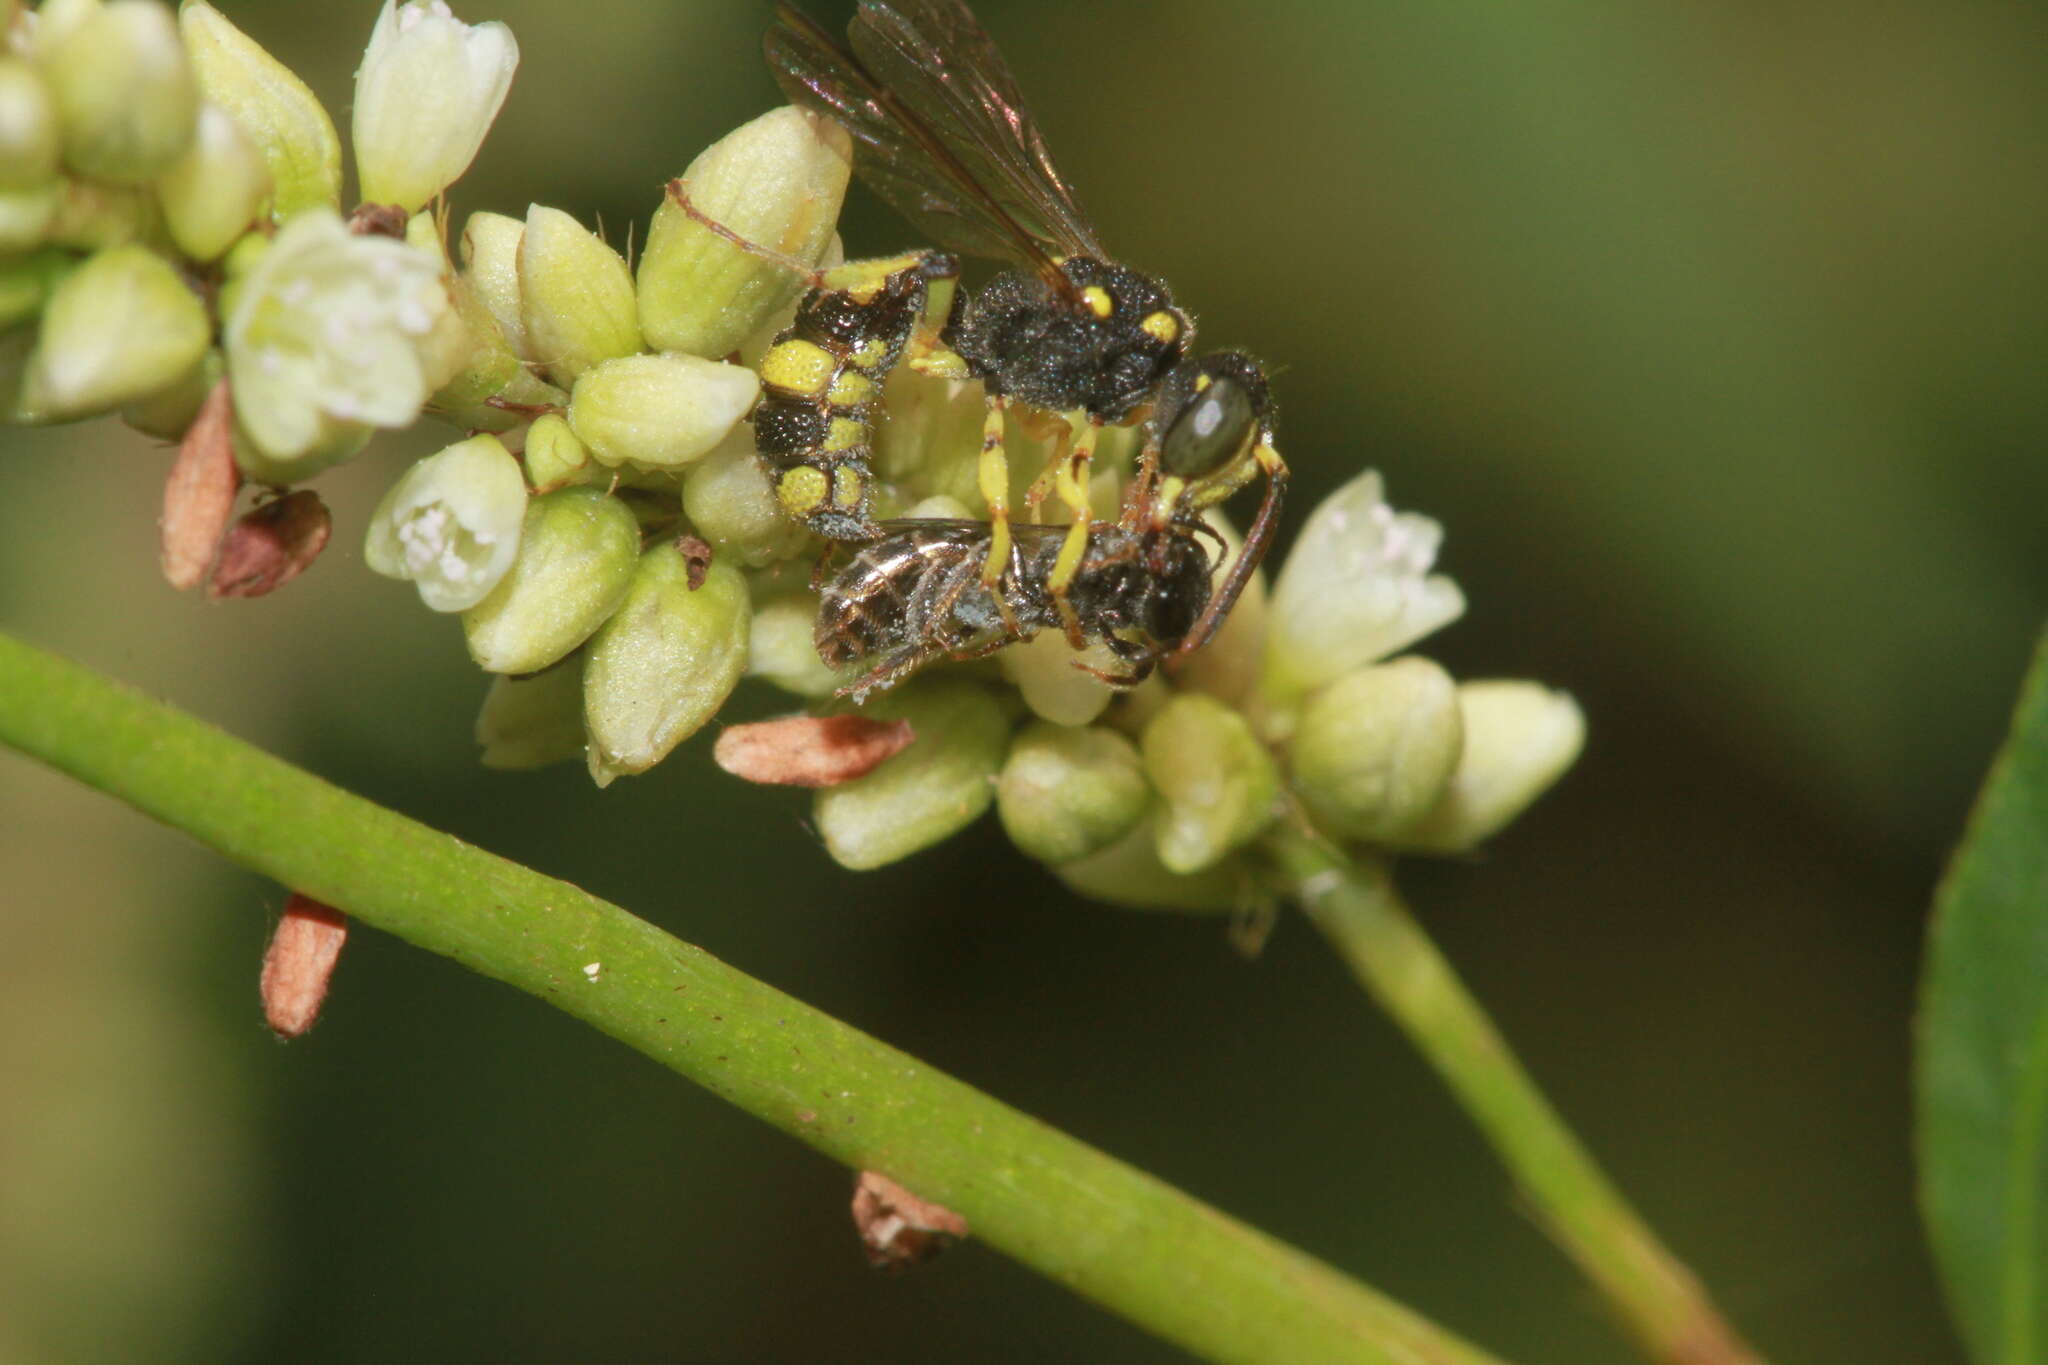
[(172, 246)]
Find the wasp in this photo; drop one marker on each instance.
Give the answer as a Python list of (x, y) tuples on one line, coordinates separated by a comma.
[(947, 139), (1142, 585)]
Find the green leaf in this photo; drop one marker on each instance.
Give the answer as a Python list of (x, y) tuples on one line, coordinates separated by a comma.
[(1983, 1063)]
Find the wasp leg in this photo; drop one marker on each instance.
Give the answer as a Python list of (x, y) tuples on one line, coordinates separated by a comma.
[(1071, 482), (679, 192), (995, 491), (1256, 542)]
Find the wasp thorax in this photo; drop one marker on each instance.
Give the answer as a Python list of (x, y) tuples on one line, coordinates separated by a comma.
[(1102, 344)]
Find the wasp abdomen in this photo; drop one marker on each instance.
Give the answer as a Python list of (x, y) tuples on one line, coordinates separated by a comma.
[(822, 376)]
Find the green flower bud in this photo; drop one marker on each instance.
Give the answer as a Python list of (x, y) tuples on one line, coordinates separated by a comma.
[(334, 441), (90, 215), (1520, 737), (784, 651), (932, 790), (26, 215), (664, 663), (1219, 784), (576, 558), (324, 333), (1042, 670), (490, 262), (729, 500), (273, 107), (168, 413), (56, 20), (214, 191), (1067, 792), (554, 455), (426, 94), (1128, 873), (1375, 748), (1355, 588), (661, 411), (464, 356), (26, 282), (532, 722), (777, 182), (31, 138), (575, 296), (125, 92), (120, 327), (451, 524)]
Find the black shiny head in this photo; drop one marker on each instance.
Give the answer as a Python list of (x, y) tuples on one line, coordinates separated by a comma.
[(1209, 411), (1175, 593)]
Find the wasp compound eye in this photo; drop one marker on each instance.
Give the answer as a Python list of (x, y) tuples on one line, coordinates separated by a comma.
[(1209, 429)]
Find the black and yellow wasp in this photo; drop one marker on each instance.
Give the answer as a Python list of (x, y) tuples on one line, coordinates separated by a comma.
[(946, 138), (1142, 585)]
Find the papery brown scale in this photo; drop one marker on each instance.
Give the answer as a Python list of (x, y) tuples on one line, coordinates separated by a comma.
[(199, 495), (271, 545), (299, 963), (897, 1229), (810, 751)]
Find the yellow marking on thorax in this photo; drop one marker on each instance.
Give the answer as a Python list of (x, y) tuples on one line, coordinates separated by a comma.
[(799, 367), (1098, 301), (1164, 328), (869, 353)]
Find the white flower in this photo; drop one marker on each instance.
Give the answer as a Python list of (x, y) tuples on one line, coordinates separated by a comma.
[(1355, 589), (326, 332), (451, 524), (426, 94)]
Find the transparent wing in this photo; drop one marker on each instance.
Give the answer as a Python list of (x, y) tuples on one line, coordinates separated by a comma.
[(947, 138)]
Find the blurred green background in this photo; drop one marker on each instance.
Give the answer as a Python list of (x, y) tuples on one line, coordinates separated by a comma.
[(1712, 333)]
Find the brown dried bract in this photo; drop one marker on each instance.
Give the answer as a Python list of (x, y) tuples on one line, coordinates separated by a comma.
[(810, 751), (696, 559), (298, 963), (199, 496), (377, 220), (271, 545), (897, 1229)]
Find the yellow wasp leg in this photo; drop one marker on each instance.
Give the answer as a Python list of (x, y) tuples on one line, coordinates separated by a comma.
[(1071, 482), (995, 491)]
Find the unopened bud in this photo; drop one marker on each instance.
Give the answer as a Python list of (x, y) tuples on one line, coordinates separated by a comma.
[(810, 751), (92, 214), (729, 499), (26, 282), (776, 182), (26, 216), (664, 663), (56, 20), (1129, 874), (214, 191), (1356, 588), (575, 296), (1067, 792), (120, 327), (426, 94), (273, 106), (1043, 671), (1374, 748), (784, 649), (1219, 785), (576, 558), (490, 263), (125, 92), (659, 411), (1520, 737), (533, 722), (299, 963), (929, 792), (270, 545), (451, 524), (31, 139)]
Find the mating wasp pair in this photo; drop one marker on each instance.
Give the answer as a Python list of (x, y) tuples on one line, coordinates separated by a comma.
[(946, 138)]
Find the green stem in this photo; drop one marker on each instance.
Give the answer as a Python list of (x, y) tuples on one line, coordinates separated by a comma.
[(1360, 912), (1103, 1229)]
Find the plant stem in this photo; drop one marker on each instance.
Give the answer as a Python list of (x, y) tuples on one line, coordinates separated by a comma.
[(1360, 912), (1109, 1232)]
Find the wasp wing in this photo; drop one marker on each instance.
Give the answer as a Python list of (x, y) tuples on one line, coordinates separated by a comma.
[(948, 139)]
